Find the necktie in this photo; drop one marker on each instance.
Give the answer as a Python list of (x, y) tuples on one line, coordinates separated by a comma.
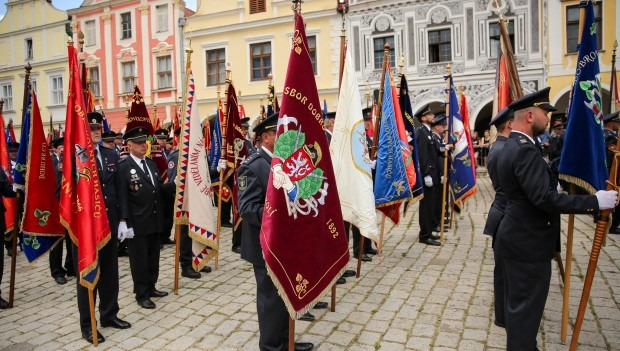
[(146, 171), (97, 159)]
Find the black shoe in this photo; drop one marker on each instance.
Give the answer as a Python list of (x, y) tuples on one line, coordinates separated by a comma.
[(3, 304), (308, 317), (304, 346), (236, 249), (431, 242), (615, 230), (116, 323), (226, 225), (499, 324), (9, 252), (147, 303), (435, 237), (370, 251), (167, 241), (158, 293), (70, 275), (123, 253), (341, 281), (436, 229), (206, 269), (366, 258), (189, 272), (320, 305), (349, 273), (88, 336), (60, 280)]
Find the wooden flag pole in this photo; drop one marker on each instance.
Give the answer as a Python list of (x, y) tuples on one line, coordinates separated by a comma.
[(380, 246), (291, 333), (375, 140), (93, 320), (445, 159), (177, 252), (359, 256)]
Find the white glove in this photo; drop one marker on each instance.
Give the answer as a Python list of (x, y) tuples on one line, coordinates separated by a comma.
[(428, 181), (442, 179), (129, 234), (122, 230), (606, 199), (448, 147), (279, 177), (373, 164), (221, 165)]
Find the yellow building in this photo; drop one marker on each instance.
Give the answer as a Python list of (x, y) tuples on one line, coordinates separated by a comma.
[(561, 46), (34, 32), (255, 37)]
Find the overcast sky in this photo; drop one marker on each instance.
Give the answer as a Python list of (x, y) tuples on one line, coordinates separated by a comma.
[(71, 4)]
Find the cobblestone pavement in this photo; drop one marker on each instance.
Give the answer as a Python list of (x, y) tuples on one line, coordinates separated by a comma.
[(414, 297)]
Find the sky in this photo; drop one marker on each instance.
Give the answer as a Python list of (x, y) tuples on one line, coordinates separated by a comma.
[(71, 4)]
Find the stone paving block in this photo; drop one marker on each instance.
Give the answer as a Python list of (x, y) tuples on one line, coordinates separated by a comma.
[(419, 343)]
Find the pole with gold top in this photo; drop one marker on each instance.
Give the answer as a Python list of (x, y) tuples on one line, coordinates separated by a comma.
[(223, 154), (445, 157)]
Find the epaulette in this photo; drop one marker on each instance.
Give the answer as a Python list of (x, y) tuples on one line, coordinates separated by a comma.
[(523, 140), (124, 159), (251, 158)]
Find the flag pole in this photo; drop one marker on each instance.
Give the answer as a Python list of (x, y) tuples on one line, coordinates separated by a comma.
[(612, 87), (177, 226), (223, 154), (445, 157)]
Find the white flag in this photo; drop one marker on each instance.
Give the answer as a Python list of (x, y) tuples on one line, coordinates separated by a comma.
[(351, 159)]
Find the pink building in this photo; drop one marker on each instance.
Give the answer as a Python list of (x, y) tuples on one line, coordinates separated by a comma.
[(132, 42)]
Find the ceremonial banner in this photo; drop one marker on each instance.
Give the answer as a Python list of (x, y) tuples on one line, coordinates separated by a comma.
[(272, 101), (215, 151), (235, 149), (302, 234), (10, 132), (465, 117), (583, 156), (462, 176), (21, 161), (82, 208), (5, 164), (403, 136), (351, 158), (226, 193), (392, 186), (40, 224), (502, 96), (417, 191)]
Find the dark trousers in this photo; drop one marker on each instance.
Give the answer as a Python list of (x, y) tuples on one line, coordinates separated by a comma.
[(236, 236), (438, 203), (107, 286), (272, 314), (168, 216), (225, 213), (526, 287), (427, 212), (356, 239), (2, 264), (56, 268), (498, 289), (615, 218), (144, 262), (186, 255)]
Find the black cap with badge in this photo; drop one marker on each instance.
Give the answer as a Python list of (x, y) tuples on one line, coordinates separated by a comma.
[(267, 124), (58, 142), (612, 117), (95, 119), (136, 135), (440, 120), (536, 99), (161, 134), (245, 122), (367, 113), (13, 146), (108, 136), (502, 116), (425, 110)]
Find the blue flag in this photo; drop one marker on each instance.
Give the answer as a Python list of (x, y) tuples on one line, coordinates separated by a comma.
[(215, 153), (106, 126), (391, 184), (462, 177), (19, 173), (405, 107), (324, 108), (583, 156)]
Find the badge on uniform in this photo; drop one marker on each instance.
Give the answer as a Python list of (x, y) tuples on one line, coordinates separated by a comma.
[(135, 180), (171, 165), (242, 182)]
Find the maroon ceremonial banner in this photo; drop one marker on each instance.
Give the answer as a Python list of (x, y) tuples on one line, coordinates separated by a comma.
[(302, 234), (235, 148), (82, 207)]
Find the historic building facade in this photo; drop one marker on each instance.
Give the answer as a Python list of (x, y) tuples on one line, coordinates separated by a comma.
[(132, 42), (33, 31)]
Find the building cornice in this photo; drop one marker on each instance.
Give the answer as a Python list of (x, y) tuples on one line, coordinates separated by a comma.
[(37, 66), (34, 29)]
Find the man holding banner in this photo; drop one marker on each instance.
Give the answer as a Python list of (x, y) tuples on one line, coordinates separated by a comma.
[(6, 190)]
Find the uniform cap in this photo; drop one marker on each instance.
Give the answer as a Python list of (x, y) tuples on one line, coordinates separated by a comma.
[(137, 135), (536, 99), (161, 134), (367, 113), (426, 109), (108, 136), (440, 120), (502, 116), (95, 119), (268, 123), (56, 142), (612, 117)]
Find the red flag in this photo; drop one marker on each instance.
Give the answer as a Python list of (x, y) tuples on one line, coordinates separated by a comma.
[(465, 117), (11, 131), (235, 148), (403, 136), (5, 163), (502, 85), (82, 208), (41, 215), (176, 124), (302, 234)]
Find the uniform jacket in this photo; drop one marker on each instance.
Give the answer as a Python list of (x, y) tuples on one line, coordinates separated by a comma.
[(144, 200), (610, 139), (440, 149), (428, 152), (530, 228), (253, 178), (6, 190), (110, 183), (496, 212)]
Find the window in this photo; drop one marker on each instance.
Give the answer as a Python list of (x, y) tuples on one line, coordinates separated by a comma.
[(93, 75), (29, 50), (126, 25), (90, 35), (164, 72), (216, 67), (312, 51), (129, 69), (494, 36), (7, 96), (378, 48), (33, 83), (257, 6), (572, 26), (162, 18), (439, 46), (260, 57), (56, 90)]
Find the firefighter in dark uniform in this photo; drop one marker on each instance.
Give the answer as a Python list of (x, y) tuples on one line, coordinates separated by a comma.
[(253, 179), (237, 233), (529, 232), (245, 125), (107, 286), (143, 188), (186, 255), (503, 122), (428, 152), (610, 133), (6, 190), (438, 127)]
